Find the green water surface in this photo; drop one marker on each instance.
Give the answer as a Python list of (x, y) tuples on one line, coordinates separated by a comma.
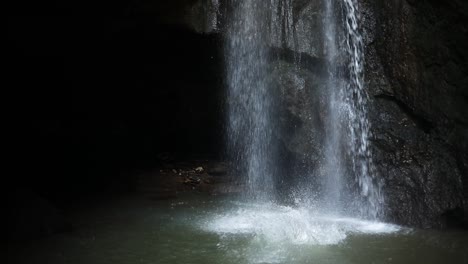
[(135, 230)]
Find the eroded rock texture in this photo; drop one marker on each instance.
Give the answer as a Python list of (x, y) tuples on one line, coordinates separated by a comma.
[(417, 75)]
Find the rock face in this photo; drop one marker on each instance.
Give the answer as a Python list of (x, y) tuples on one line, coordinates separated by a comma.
[(417, 75), (301, 93)]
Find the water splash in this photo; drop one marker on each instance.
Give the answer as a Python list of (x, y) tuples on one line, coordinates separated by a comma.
[(295, 225)]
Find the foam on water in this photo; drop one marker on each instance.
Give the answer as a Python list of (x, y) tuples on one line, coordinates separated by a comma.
[(277, 224)]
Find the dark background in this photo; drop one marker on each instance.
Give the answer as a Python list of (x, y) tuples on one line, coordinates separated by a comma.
[(100, 89)]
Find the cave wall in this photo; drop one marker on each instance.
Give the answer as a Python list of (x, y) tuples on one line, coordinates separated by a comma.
[(417, 73)]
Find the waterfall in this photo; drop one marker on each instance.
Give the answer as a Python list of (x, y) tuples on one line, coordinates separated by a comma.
[(356, 98), (253, 27), (250, 121), (332, 170), (347, 149)]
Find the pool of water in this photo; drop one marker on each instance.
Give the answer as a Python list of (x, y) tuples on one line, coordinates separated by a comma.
[(204, 229)]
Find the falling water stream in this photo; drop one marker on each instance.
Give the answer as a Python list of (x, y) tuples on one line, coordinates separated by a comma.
[(250, 124), (356, 99), (333, 169), (253, 28)]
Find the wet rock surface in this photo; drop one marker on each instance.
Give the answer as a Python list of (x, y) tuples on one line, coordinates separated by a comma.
[(417, 74), (302, 93), (422, 180)]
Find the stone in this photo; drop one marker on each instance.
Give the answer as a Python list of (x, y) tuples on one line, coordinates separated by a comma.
[(417, 116)]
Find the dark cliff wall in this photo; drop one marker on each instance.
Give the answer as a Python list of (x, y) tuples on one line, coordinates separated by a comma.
[(417, 70)]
